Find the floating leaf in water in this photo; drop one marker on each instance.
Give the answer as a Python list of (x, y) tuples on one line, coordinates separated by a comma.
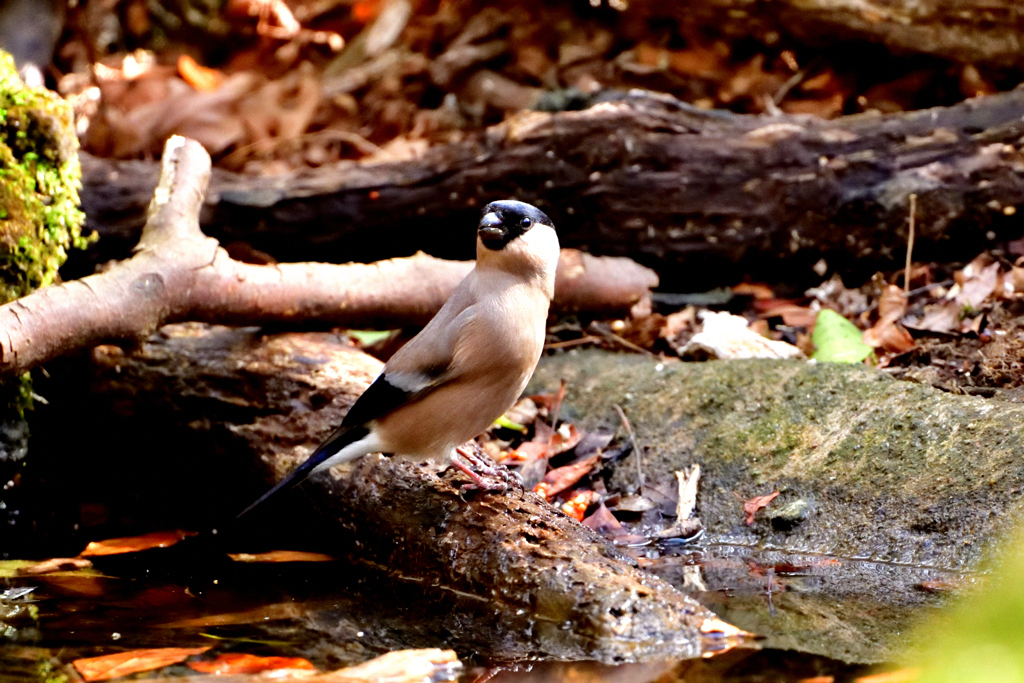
[(402, 666), (281, 556), (837, 339), (241, 663), (125, 663), (134, 544), (55, 564)]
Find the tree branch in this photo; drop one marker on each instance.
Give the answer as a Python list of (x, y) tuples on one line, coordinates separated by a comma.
[(179, 274)]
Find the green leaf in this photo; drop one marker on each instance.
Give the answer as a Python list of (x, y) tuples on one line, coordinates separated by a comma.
[(369, 337), (509, 424), (837, 340)]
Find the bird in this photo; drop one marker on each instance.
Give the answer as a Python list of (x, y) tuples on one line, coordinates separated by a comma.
[(467, 366)]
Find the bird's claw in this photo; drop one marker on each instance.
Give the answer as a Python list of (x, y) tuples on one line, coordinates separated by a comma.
[(486, 475)]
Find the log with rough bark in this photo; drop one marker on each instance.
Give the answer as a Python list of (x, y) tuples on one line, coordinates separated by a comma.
[(543, 584), (706, 197), (180, 274), (986, 32)]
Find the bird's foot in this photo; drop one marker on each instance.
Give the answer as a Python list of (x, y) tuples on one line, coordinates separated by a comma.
[(486, 475)]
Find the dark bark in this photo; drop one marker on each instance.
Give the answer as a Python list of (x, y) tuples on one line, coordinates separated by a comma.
[(986, 32), (544, 584), (705, 197)]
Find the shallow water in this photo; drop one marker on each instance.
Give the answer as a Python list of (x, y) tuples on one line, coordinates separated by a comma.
[(819, 616)]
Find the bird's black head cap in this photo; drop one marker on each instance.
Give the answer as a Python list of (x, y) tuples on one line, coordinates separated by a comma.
[(506, 220)]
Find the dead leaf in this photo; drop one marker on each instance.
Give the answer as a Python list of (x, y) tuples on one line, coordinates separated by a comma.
[(726, 336), (241, 663), (561, 478), (528, 451), (125, 663), (402, 666), (56, 564), (978, 283), (259, 615), (756, 503), (198, 76), (755, 289), (888, 334), (604, 522), (134, 544), (825, 107), (565, 439), (792, 315), (281, 556), (679, 322)]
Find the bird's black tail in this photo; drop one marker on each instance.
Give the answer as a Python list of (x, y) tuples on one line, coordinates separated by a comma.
[(341, 438)]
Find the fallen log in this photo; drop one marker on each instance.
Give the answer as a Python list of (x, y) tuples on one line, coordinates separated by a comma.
[(543, 584), (180, 274), (983, 32), (706, 197)]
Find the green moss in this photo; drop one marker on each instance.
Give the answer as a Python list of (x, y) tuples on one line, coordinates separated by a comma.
[(39, 181)]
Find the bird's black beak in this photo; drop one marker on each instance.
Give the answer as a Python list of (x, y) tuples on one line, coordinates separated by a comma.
[(492, 230)]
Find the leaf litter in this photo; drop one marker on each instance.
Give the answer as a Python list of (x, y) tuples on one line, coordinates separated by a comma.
[(959, 328), (270, 86)]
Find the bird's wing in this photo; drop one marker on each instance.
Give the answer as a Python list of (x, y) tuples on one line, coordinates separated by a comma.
[(424, 363)]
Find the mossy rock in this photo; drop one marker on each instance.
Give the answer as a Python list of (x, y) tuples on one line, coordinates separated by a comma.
[(39, 181)]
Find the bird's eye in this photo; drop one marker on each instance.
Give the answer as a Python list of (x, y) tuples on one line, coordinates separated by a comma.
[(526, 222)]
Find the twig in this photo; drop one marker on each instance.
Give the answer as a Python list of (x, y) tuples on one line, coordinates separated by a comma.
[(910, 245), (611, 336), (633, 443), (589, 339)]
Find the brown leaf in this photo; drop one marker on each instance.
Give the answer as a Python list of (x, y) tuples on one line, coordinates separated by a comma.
[(679, 322), (241, 663), (754, 289), (942, 317), (825, 107), (888, 335), (125, 663), (281, 556), (56, 564), (700, 62), (791, 314), (891, 304), (979, 283), (756, 503), (133, 544), (399, 666), (561, 478), (198, 76), (261, 614), (530, 450), (562, 441), (604, 522)]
